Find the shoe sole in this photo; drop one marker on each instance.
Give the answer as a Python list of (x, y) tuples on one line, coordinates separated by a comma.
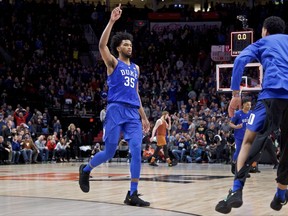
[(227, 208), (136, 204), (224, 209), (127, 203), (236, 204), (276, 208)]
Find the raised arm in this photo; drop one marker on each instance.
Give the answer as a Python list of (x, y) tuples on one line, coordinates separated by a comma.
[(108, 58), (157, 124), (249, 54), (168, 126)]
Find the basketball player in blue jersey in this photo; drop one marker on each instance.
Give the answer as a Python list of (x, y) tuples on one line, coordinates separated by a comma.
[(238, 123), (124, 109), (270, 113)]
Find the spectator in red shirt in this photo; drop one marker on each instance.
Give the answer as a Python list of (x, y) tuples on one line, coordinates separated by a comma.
[(20, 116), (51, 145)]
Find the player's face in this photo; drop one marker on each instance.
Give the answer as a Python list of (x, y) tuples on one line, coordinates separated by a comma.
[(247, 106), (126, 48)]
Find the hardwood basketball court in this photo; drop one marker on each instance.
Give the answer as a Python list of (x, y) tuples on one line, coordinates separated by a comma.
[(186, 189)]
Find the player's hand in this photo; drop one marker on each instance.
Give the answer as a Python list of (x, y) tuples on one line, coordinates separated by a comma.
[(151, 139), (146, 125), (234, 104), (116, 13)]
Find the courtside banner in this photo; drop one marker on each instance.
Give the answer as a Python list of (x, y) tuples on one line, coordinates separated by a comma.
[(171, 26)]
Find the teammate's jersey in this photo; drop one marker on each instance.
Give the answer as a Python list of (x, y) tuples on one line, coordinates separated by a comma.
[(122, 84), (272, 52), (240, 118)]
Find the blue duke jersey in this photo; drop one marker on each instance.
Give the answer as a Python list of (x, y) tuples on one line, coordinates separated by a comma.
[(122, 84), (240, 118), (272, 52)]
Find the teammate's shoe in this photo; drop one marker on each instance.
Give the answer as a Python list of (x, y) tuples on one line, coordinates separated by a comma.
[(84, 179), (134, 200), (277, 204), (233, 200), (153, 164)]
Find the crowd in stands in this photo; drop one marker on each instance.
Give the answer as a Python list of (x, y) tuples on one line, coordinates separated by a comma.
[(40, 45), (32, 137)]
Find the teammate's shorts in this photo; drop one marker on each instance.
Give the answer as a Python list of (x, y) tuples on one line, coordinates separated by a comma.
[(257, 117)]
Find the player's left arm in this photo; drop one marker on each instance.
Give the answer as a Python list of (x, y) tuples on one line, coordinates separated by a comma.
[(246, 56), (145, 122)]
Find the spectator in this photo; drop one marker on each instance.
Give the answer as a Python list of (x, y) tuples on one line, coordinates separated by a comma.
[(57, 126), (180, 152), (75, 140), (4, 151), (43, 149), (51, 145), (29, 150), (195, 154), (16, 149), (20, 116), (60, 150)]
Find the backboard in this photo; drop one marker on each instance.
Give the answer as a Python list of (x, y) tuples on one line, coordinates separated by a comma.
[(251, 79)]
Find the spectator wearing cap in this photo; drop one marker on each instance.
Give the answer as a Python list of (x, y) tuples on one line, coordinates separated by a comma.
[(183, 146)]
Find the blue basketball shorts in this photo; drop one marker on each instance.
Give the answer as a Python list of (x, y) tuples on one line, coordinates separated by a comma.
[(257, 118), (122, 118)]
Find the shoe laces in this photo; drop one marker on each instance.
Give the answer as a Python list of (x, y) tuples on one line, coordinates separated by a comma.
[(138, 194), (229, 195)]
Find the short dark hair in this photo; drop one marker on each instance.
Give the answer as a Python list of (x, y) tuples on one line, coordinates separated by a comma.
[(274, 25), (117, 40), (245, 100)]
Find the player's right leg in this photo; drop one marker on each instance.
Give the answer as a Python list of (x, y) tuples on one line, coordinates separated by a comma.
[(111, 138), (244, 161)]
